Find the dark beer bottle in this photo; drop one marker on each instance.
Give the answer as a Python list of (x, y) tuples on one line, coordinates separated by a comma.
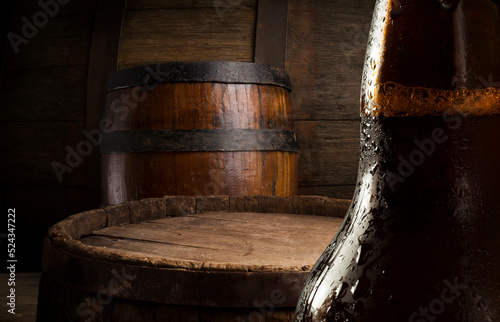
[(421, 241)]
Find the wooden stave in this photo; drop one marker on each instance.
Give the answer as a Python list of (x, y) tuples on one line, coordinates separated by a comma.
[(272, 112)]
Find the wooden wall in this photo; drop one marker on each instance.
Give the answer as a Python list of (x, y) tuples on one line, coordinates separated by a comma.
[(325, 54), (43, 110), (48, 91), (326, 44)]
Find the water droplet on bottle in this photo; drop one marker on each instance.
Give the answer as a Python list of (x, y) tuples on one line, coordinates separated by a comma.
[(360, 288), (364, 252), (342, 289)]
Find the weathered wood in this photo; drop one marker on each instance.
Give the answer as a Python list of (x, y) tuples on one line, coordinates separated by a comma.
[(170, 313), (118, 215), (211, 203), (325, 53), (334, 191), (329, 152), (189, 4), (162, 144), (151, 268), (226, 238), (130, 311), (272, 24), (328, 40), (195, 33), (244, 203), (179, 205), (273, 205), (147, 210)]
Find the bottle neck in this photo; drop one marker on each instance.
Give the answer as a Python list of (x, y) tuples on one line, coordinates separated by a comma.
[(432, 46)]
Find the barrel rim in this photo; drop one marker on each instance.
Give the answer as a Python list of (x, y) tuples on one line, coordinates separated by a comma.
[(228, 72), (66, 234), (69, 261)]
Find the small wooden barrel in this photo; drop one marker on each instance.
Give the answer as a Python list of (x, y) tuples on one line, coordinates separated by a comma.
[(198, 128), (212, 258)]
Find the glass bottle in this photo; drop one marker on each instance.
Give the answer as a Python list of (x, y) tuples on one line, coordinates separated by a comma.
[(421, 241)]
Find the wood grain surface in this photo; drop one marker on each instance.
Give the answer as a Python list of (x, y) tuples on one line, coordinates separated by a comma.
[(184, 31), (325, 51), (207, 106), (184, 248), (227, 239)]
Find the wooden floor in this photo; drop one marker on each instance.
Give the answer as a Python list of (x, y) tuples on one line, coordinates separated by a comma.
[(26, 297)]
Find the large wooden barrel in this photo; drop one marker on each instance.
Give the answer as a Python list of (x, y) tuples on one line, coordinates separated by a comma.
[(198, 128), (207, 258)]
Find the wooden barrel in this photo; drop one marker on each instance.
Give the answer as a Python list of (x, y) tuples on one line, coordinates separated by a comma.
[(207, 258), (198, 128)]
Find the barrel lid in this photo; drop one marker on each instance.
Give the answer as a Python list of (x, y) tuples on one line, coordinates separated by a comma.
[(178, 250), (230, 72)]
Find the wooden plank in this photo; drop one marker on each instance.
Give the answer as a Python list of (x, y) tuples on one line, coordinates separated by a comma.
[(123, 310), (189, 4), (329, 152), (267, 221), (333, 191), (102, 61), (64, 41), (171, 313), (272, 23), (226, 237), (30, 148), (153, 36), (53, 94), (76, 305), (184, 254), (326, 48), (212, 203), (247, 242)]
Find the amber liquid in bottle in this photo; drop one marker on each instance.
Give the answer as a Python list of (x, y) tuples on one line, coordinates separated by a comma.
[(421, 241)]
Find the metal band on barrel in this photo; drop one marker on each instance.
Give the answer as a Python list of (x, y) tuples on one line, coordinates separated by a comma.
[(229, 72), (199, 141)]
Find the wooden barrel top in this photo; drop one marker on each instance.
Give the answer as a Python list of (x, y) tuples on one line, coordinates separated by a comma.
[(202, 251), (225, 240)]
